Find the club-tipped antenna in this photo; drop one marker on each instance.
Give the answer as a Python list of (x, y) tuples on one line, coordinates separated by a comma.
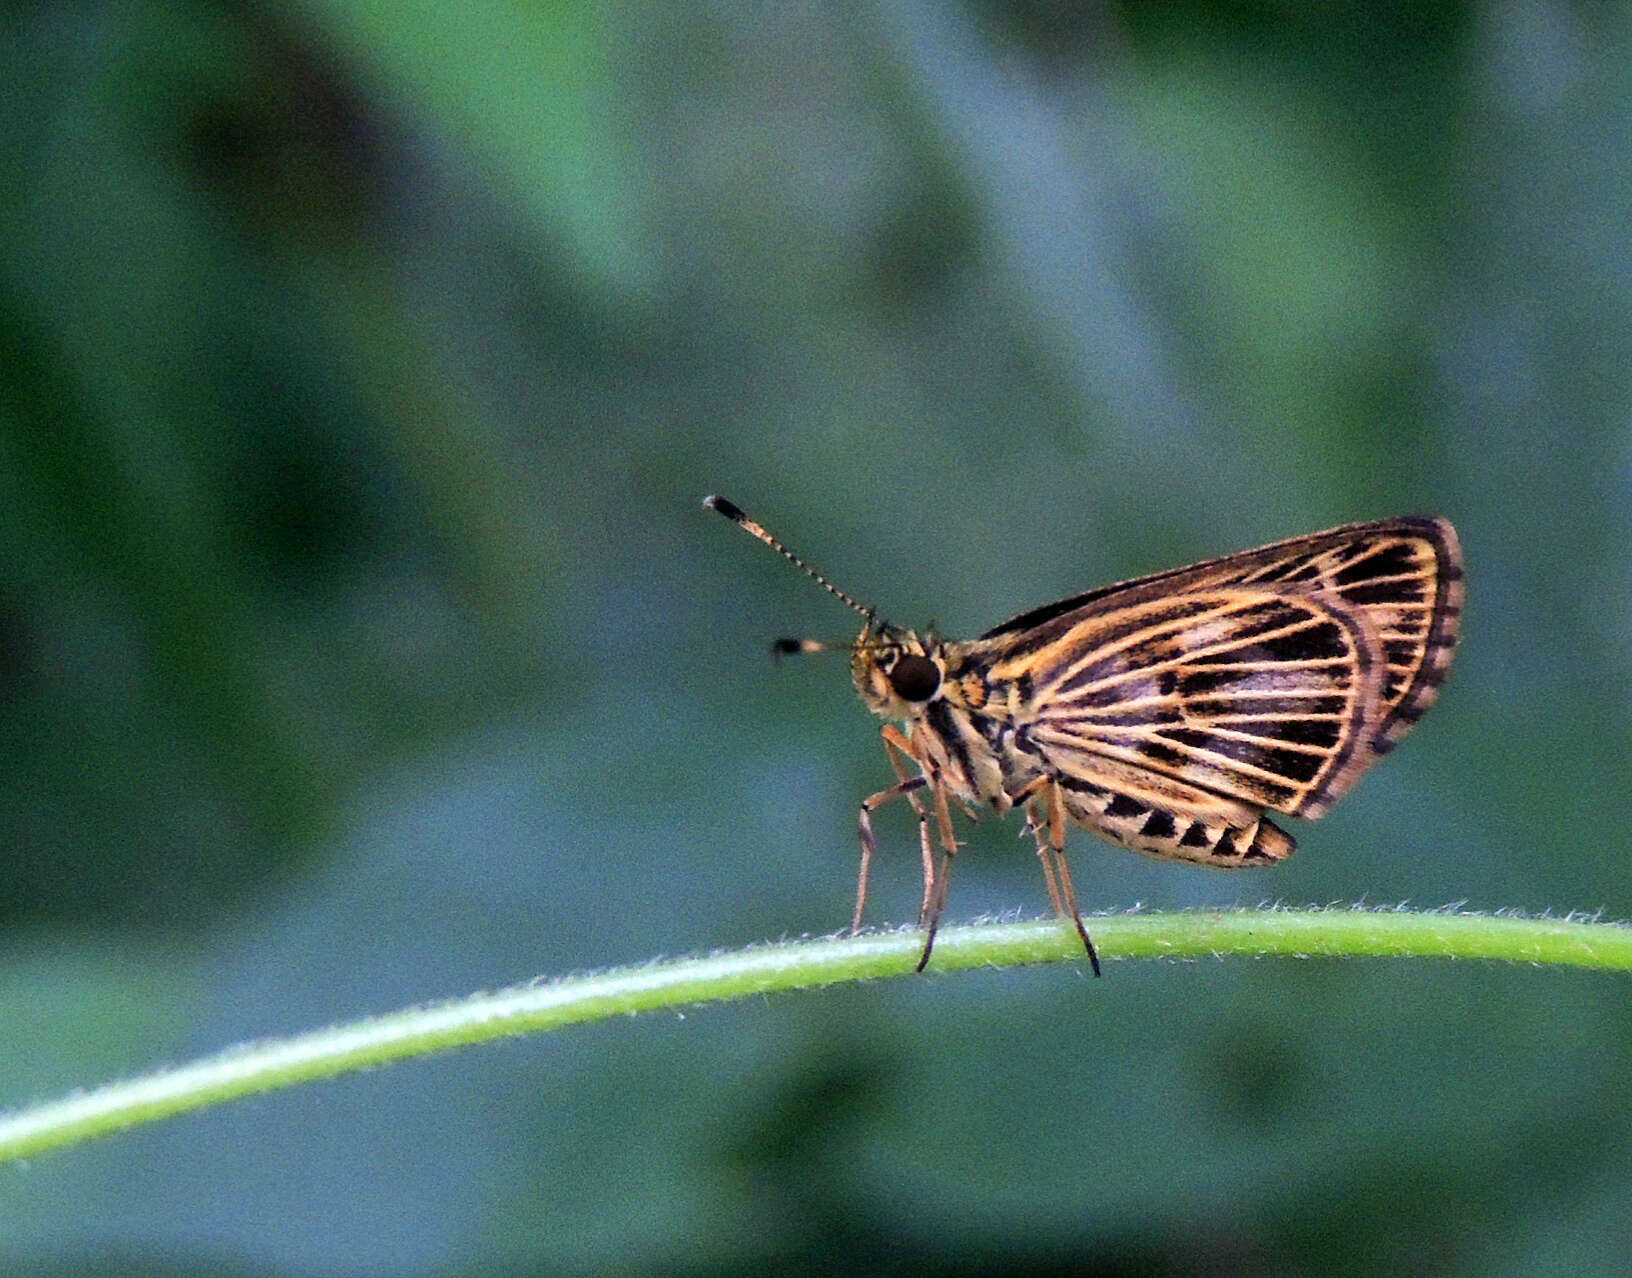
[(735, 514)]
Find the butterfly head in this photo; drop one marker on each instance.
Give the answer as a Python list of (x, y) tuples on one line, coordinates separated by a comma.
[(896, 671)]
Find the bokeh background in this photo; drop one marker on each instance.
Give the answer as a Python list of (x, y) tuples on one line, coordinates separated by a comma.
[(362, 640)]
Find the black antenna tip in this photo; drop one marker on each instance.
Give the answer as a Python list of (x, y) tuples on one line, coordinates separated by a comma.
[(729, 509)]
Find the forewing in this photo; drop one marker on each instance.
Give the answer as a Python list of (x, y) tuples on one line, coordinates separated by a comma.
[(1259, 695), (1402, 579)]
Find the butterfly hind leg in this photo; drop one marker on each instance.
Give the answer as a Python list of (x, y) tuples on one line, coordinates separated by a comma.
[(1048, 828)]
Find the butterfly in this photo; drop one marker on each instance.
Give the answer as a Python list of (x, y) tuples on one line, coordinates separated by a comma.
[(1167, 714)]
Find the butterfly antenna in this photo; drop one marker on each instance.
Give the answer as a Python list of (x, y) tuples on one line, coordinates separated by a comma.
[(735, 514)]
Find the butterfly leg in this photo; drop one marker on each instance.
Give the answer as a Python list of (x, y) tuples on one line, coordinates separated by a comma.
[(869, 845), (935, 879), (1052, 853), (1045, 854), (1027, 801), (899, 752), (1056, 839), (902, 750), (934, 893)]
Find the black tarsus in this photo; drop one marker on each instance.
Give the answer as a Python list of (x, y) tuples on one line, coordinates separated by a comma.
[(932, 924), (929, 944), (1093, 955)]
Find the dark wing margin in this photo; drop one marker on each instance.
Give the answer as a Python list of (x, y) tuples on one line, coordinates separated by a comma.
[(1404, 576), (1411, 590)]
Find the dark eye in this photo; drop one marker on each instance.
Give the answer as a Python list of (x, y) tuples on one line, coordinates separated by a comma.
[(915, 678)]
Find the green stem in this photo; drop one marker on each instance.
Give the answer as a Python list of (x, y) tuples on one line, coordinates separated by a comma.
[(261, 1067)]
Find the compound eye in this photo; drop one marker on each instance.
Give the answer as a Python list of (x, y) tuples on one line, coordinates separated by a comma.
[(915, 678)]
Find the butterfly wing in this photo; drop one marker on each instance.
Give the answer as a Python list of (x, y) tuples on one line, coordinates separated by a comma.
[(1181, 706), (1403, 576), (1248, 695)]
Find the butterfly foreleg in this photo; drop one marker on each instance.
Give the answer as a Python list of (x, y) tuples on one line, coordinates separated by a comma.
[(901, 751), (898, 749), (906, 786)]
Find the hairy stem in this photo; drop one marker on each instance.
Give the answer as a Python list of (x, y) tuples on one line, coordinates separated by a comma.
[(261, 1067)]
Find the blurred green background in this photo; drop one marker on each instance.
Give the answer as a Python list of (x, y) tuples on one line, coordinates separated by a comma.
[(362, 640)]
